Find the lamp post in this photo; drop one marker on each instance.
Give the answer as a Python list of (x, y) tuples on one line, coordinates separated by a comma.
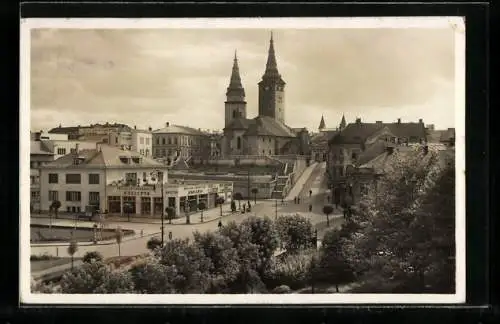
[(275, 209), (159, 175)]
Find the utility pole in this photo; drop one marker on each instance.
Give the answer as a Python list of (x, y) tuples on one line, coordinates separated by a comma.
[(275, 208), (248, 184), (162, 211)]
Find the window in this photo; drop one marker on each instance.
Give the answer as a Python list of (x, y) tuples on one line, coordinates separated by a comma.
[(238, 143), (141, 140), (234, 113), (163, 140), (147, 140), (93, 196), (175, 140), (93, 178), (73, 178), (35, 195), (158, 141), (61, 151), (169, 141), (53, 178), (53, 195), (72, 151), (73, 196), (131, 178), (354, 155)]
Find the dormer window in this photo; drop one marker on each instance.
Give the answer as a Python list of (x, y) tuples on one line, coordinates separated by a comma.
[(136, 159), (124, 160), (77, 161)]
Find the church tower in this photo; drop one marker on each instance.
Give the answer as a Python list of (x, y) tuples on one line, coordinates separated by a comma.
[(322, 124), (342, 123), (272, 89), (235, 105)]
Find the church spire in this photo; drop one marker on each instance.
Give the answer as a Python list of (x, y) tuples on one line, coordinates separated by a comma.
[(322, 123), (235, 86), (271, 65), (342, 122)]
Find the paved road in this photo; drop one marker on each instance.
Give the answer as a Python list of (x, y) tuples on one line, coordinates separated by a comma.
[(137, 245)]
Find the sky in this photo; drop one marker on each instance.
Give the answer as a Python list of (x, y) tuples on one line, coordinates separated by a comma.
[(147, 77)]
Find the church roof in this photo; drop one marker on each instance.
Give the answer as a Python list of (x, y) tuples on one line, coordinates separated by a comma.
[(240, 123), (269, 126), (324, 136), (322, 123)]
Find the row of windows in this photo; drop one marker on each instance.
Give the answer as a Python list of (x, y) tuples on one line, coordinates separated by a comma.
[(74, 178), (73, 196), (184, 140)]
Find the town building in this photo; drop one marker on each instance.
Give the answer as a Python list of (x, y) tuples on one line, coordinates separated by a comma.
[(360, 142), (266, 134), (319, 140), (137, 140), (93, 132), (120, 182), (174, 141), (39, 155)]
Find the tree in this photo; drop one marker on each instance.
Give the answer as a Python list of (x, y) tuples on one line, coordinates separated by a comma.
[(152, 277), (224, 258), (56, 204), (153, 243), (119, 237), (327, 210), (255, 191), (96, 278), (403, 240), (238, 196), (295, 232), (192, 266), (72, 248), (262, 233), (92, 256), (170, 213), (220, 202), (332, 266), (202, 206)]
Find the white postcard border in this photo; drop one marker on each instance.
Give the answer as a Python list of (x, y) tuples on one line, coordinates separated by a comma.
[(209, 299)]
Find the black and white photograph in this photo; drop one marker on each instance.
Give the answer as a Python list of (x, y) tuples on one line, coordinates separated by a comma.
[(242, 161)]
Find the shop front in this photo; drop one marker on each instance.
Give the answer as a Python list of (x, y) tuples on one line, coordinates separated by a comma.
[(142, 201)]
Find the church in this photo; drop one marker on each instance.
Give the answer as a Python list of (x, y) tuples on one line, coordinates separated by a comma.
[(266, 134)]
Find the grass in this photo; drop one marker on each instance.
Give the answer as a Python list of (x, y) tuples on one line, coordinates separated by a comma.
[(42, 233)]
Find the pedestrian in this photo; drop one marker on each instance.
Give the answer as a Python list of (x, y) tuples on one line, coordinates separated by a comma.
[(328, 199), (282, 202), (310, 193), (298, 200), (220, 224), (142, 232), (310, 208), (295, 200)]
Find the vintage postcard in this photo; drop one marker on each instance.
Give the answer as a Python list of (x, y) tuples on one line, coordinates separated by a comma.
[(242, 161)]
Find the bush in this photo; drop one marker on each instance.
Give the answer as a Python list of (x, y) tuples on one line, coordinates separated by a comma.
[(153, 243), (293, 270), (283, 289), (42, 257), (295, 232), (92, 256)]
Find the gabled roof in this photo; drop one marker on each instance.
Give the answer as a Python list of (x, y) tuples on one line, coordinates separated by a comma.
[(178, 129), (357, 133), (107, 156), (38, 148), (272, 127), (322, 137), (371, 152)]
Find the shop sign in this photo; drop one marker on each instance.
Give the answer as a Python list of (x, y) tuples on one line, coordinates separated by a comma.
[(136, 193), (195, 192), (171, 193)]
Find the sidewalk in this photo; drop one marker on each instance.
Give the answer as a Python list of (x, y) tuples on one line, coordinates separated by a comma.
[(195, 218), (299, 184)]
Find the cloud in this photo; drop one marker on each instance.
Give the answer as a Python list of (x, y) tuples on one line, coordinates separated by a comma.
[(148, 77)]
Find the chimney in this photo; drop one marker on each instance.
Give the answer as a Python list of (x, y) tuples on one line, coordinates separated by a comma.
[(358, 120), (135, 127), (150, 129), (168, 124), (399, 120), (389, 149), (420, 121)]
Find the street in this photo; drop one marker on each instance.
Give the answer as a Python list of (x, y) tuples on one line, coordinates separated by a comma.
[(137, 244)]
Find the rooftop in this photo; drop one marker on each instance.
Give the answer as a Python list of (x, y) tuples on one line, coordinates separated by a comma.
[(178, 129), (104, 157), (264, 126), (38, 148)]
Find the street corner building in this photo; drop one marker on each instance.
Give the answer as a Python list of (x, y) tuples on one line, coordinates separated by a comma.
[(121, 182), (266, 134)]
